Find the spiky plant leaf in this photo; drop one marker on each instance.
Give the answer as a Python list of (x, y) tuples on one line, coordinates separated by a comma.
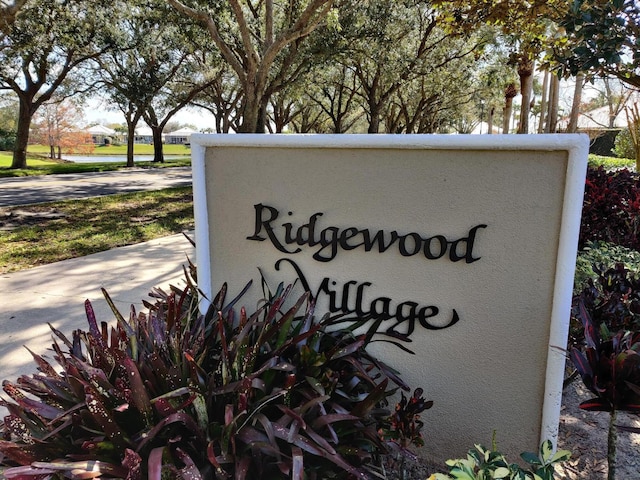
[(173, 392)]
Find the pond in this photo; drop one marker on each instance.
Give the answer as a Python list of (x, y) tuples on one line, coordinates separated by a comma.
[(114, 158)]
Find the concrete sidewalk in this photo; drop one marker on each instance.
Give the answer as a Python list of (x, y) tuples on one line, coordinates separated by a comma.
[(56, 293)]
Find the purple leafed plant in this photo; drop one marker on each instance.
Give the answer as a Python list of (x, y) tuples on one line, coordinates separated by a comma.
[(611, 208), (608, 361), (176, 394), (609, 366)]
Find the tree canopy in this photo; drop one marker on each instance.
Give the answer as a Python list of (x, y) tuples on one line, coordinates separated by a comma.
[(602, 38), (8, 13), (401, 66), (47, 43), (156, 72), (260, 41)]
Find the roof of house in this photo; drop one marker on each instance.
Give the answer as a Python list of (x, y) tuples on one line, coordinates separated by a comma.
[(181, 132), (597, 118), (600, 118), (99, 130), (144, 131)]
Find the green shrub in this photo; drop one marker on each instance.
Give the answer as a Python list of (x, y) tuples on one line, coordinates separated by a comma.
[(484, 464), (177, 394), (624, 145), (603, 256), (611, 301), (7, 140), (610, 163)]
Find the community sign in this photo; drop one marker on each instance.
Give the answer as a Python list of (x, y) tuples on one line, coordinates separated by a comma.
[(464, 247)]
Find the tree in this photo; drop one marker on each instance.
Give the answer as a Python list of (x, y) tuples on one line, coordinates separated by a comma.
[(491, 76), (610, 92), (223, 98), (552, 105), (439, 100), (334, 92), (544, 102), (388, 45), (121, 73), (525, 67), (284, 106), (8, 112), (602, 39), (56, 124), (633, 120), (46, 46), (310, 119), (155, 74), (509, 94), (8, 13), (8, 121), (524, 24), (572, 127), (261, 41), (183, 68)]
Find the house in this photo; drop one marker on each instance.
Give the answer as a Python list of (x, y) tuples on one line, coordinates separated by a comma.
[(596, 123), (100, 134), (597, 119), (144, 134), (179, 137)]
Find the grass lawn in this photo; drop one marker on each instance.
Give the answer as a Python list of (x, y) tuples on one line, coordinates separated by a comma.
[(42, 166), (138, 149), (46, 233)]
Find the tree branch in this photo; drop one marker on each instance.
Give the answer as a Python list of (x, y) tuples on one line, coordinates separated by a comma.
[(245, 34), (205, 20)]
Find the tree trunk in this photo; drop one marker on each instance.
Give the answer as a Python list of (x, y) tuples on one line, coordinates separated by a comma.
[(612, 110), (554, 98), (131, 135), (337, 124), (506, 114), (59, 152), (22, 136), (250, 111), (543, 102), (374, 121), (374, 125), (52, 151), (612, 442), (575, 106), (151, 119), (509, 93), (525, 72), (492, 110), (261, 124), (249, 120), (158, 150)]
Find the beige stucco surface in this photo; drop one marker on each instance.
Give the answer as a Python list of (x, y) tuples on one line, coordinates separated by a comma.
[(488, 371)]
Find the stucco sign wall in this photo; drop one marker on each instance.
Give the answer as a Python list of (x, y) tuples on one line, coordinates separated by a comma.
[(465, 245)]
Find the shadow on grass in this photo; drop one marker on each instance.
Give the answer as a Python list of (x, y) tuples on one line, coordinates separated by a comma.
[(69, 168), (95, 225)]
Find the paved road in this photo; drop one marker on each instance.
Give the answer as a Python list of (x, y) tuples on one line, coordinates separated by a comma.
[(48, 188)]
